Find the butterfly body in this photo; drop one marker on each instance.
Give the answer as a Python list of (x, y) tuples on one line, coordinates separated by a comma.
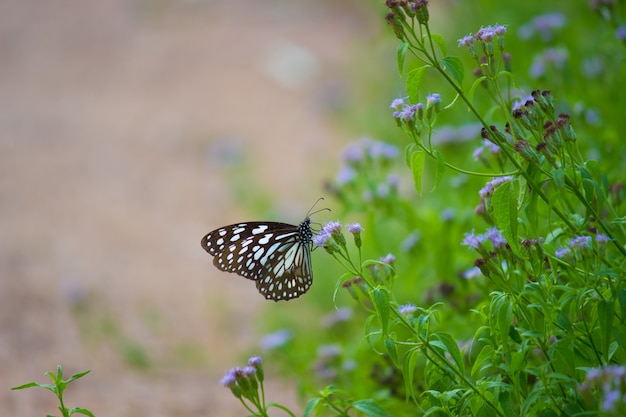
[(277, 256)]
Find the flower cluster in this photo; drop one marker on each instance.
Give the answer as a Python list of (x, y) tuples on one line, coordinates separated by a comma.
[(400, 10), (413, 117), (607, 385), (579, 245), (246, 382), (485, 37), (492, 235), (366, 173)]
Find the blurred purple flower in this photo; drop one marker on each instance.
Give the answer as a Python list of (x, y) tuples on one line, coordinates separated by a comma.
[(276, 339)]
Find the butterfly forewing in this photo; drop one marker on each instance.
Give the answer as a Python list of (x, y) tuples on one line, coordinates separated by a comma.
[(276, 255)]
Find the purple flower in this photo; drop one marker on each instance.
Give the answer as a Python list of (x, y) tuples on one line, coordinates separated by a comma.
[(388, 259), (345, 175), (328, 351), (499, 30), (610, 398), (320, 239), (354, 152), (432, 99), (381, 149), (490, 187), (393, 180), (248, 371), (563, 252), (407, 114), (229, 378), (331, 227), (485, 34), (473, 272), (601, 238), (407, 309), (472, 241), (341, 315), (276, 339), (620, 33), (382, 190), (493, 148), (355, 228), (580, 242), (447, 214), (410, 241), (397, 104), (465, 41), (496, 238), (255, 361)]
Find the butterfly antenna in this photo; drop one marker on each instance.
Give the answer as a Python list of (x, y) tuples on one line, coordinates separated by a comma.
[(311, 212)]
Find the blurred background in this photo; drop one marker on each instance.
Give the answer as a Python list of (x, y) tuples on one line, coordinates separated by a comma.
[(128, 130)]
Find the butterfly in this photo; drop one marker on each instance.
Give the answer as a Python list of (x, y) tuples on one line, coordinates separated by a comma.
[(277, 256)]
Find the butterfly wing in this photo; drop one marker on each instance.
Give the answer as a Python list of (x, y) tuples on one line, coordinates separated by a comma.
[(276, 255), (287, 273)]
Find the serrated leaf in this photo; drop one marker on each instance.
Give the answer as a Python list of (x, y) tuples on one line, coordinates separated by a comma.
[(454, 66), (417, 168), (414, 82), (370, 408), (441, 167), (401, 55)]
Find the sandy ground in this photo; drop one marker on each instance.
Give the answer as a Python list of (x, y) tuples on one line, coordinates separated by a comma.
[(120, 122)]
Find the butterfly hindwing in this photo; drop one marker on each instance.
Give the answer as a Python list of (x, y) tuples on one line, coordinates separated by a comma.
[(275, 255)]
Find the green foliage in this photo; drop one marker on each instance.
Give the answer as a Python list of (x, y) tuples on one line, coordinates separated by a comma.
[(58, 387), (531, 324)]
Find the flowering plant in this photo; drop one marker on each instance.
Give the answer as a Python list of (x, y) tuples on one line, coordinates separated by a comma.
[(535, 327)]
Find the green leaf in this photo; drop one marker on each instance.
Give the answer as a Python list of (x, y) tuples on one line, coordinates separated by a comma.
[(455, 67), (408, 371), (380, 298), (390, 344), (452, 348), (310, 407), (414, 82), (76, 376), (483, 361), (417, 167), (440, 41), (558, 176), (370, 408), (619, 220), (475, 85), (606, 314), (504, 214), (408, 151), (84, 411), (441, 166), (400, 55), (621, 299), (29, 385)]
